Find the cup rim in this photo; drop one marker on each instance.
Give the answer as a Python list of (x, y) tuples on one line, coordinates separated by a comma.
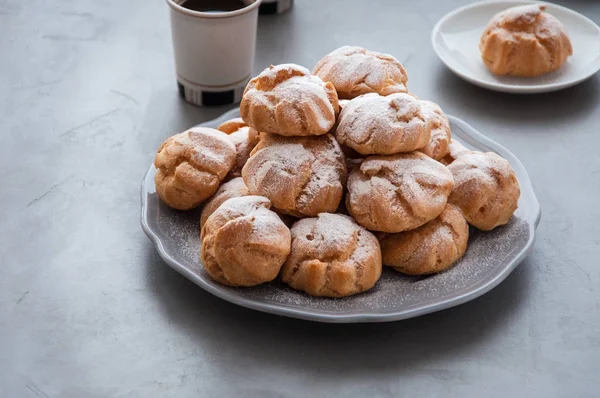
[(212, 15)]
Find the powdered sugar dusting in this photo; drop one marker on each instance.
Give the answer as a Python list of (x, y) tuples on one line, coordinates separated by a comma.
[(210, 149), (398, 192), (489, 256), (430, 248), (487, 253), (228, 190), (332, 256), (474, 171), (330, 235), (437, 147), (243, 147), (266, 224), (455, 149), (355, 71), (372, 124), (286, 99), (295, 172), (306, 95), (485, 188)]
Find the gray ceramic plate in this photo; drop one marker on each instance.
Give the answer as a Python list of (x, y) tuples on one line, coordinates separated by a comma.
[(491, 256)]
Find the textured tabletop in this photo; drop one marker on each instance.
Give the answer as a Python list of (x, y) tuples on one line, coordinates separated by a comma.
[(88, 309)]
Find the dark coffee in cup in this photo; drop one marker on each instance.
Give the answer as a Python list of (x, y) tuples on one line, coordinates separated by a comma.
[(213, 5)]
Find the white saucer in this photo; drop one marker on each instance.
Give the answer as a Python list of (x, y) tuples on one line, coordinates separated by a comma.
[(455, 39)]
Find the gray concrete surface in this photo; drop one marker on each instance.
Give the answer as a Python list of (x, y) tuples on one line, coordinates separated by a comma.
[(88, 309)]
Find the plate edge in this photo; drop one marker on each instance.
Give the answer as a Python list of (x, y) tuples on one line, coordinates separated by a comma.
[(351, 318)]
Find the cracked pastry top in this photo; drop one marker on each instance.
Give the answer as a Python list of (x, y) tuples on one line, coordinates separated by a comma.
[(287, 100), (332, 256), (524, 41), (302, 176), (438, 145), (356, 71), (244, 138), (431, 248), (231, 189), (486, 189), (244, 243), (398, 192), (455, 149), (373, 124), (191, 165)]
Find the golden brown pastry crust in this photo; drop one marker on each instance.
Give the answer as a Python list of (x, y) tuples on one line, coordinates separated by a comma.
[(398, 192), (455, 149), (191, 165), (437, 147), (372, 124), (244, 243), (287, 100), (332, 256), (231, 189), (235, 124), (486, 189), (244, 138), (524, 41), (355, 71), (431, 248), (302, 176), (343, 103)]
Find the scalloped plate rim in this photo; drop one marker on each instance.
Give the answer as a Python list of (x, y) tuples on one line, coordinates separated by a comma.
[(359, 317)]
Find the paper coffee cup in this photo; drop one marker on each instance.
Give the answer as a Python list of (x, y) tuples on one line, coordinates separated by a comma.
[(214, 52)]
